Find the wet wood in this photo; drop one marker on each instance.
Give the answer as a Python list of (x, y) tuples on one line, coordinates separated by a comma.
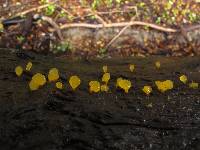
[(55, 120)]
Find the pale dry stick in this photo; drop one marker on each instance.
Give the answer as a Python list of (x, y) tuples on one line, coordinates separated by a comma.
[(116, 37), (55, 26), (120, 24), (101, 20), (34, 9), (121, 32)]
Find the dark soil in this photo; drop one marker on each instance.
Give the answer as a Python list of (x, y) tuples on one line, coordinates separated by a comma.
[(49, 119)]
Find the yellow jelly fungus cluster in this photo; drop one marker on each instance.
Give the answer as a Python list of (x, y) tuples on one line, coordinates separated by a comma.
[(147, 89), (74, 82), (131, 67), (165, 85), (94, 86), (124, 84), (18, 71), (157, 64), (105, 69), (104, 88), (59, 85), (29, 66), (37, 81), (194, 85), (183, 78), (53, 75), (106, 78)]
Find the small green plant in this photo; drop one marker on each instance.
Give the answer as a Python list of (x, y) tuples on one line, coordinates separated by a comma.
[(20, 38), (63, 47), (50, 9)]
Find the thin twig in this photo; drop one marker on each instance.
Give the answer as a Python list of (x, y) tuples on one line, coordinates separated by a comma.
[(121, 24), (101, 20), (56, 27), (115, 38), (34, 9)]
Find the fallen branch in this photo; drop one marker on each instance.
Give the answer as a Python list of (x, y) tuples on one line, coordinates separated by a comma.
[(121, 24)]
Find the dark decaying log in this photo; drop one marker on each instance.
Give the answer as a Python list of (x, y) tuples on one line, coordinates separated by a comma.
[(49, 119)]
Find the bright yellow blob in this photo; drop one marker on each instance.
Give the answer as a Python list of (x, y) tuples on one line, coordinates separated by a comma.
[(194, 85), (147, 89), (59, 85), (105, 69), (94, 86), (74, 82), (104, 88), (39, 79), (157, 64), (118, 80), (29, 66), (53, 74), (33, 85), (132, 67), (18, 71), (124, 84), (106, 77), (183, 79), (165, 85)]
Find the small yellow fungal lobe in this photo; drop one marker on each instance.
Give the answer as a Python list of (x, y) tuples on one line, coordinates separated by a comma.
[(147, 89), (132, 67), (33, 85), (157, 64), (106, 77), (165, 85), (74, 82), (18, 71), (183, 79), (53, 74), (29, 66), (94, 86), (39, 79), (104, 88), (105, 69), (59, 85), (118, 80), (194, 85), (124, 84)]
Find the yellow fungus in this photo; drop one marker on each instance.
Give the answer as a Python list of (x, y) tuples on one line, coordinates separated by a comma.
[(94, 86), (124, 84), (105, 69), (183, 79), (29, 66), (157, 64), (74, 82), (147, 89), (33, 85), (18, 71), (39, 79), (104, 88), (106, 77), (53, 74), (118, 80), (59, 85), (165, 85), (194, 85), (132, 67)]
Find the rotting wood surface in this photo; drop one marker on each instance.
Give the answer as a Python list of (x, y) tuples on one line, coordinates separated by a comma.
[(48, 119)]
